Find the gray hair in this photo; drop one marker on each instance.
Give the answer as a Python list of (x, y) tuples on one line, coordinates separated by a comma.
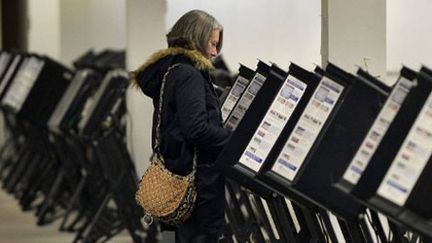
[(193, 30)]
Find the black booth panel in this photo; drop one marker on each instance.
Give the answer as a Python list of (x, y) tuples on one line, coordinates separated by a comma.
[(290, 98), (337, 147), (21, 83), (378, 131), (314, 118), (282, 110), (420, 199), (68, 111), (9, 74), (98, 108), (5, 59), (407, 181), (229, 156), (242, 81), (247, 96), (35, 89), (299, 143), (48, 89), (243, 133), (379, 163)]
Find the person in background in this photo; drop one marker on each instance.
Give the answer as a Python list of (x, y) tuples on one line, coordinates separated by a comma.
[(191, 117)]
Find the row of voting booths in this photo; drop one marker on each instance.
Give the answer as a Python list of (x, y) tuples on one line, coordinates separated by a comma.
[(315, 156), (328, 156), (64, 157)]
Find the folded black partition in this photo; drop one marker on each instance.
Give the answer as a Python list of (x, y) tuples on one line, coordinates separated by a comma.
[(36, 89), (106, 98), (240, 84), (247, 96), (9, 73), (372, 159), (403, 191), (109, 59), (5, 59), (327, 135), (103, 61), (68, 111)]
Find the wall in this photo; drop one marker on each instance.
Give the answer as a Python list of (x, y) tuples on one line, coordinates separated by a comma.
[(1, 23), (357, 35), (409, 34), (44, 27), (279, 31), (87, 24), (66, 29)]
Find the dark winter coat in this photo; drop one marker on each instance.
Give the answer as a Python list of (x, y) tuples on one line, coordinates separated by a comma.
[(190, 118)]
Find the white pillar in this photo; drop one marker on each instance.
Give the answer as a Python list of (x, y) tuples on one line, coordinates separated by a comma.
[(145, 35), (354, 34)]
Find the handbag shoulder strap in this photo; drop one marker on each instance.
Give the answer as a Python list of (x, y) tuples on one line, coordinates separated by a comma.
[(159, 113), (159, 117)]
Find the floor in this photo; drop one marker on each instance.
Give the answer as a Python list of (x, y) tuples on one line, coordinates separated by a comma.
[(17, 226)]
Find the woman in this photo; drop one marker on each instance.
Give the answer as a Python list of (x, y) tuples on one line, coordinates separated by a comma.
[(190, 117)]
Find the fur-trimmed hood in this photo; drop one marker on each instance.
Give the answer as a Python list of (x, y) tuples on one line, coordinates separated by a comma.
[(148, 76)]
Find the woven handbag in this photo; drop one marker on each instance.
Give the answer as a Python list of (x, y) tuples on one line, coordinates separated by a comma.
[(163, 195)]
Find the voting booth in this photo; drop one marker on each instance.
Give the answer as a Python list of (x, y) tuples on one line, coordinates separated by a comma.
[(36, 88), (68, 111), (369, 160)]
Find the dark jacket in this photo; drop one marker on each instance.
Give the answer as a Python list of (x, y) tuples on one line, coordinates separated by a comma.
[(190, 118)]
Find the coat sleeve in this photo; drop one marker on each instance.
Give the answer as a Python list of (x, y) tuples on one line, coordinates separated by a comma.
[(190, 97)]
